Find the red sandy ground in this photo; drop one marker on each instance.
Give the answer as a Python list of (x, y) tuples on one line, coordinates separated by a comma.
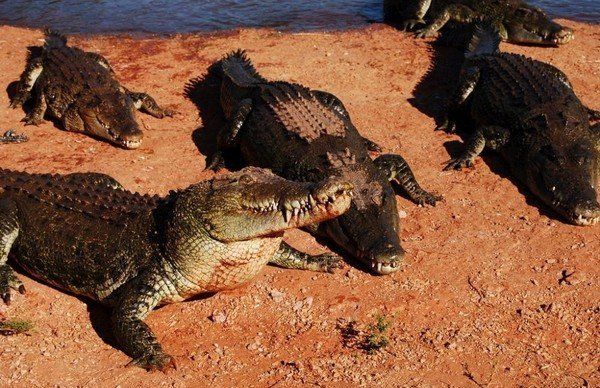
[(479, 300)]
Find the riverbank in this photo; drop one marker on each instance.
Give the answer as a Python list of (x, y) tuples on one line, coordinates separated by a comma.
[(483, 297)]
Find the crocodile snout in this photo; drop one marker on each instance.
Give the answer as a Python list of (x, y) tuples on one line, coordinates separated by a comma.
[(385, 258)]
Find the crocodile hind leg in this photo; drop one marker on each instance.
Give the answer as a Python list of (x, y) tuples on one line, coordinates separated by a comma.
[(455, 12), (492, 137), (30, 75), (145, 103), (288, 257), (228, 135), (36, 116), (134, 336), (9, 230), (397, 169)]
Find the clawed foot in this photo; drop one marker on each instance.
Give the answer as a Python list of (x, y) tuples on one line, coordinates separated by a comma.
[(458, 163), (167, 112), (426, 198), (409, 24), (32, 119), (216, 162), (155, 362), (424, 33), (448, 126), (15, 103), (8, 283), (327, 262)]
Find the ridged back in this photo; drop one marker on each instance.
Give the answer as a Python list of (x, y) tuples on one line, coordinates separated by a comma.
[(78, 194)]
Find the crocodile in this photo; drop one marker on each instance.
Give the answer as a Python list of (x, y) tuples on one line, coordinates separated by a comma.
[(527, 111), (517, 21), (83, 233), (306, 135), (11, 137), (79, 90)]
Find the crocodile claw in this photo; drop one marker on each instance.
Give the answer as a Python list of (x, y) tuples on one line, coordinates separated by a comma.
[(31, 120), (216, 162), (458, 163), (427, 198), (8, 283), (448, 126), (328, 262), (424, 33), (155, 362), (409, 24)]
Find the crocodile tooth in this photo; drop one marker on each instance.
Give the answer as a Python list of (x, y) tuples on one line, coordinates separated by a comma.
[(379, 265), (311, 201), (296, 211), (287, 215), (295, 204)]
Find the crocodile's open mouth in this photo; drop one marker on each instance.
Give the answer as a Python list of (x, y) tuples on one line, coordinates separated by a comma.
[(326, 200)]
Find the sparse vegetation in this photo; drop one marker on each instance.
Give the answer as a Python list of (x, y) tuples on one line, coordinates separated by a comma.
[(15, 326), (370, 339), (378, 334)]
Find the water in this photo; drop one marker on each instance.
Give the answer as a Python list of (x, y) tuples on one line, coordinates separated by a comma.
[(172, 16)]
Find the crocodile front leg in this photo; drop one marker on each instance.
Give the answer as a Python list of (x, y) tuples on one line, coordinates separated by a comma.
[(456, 12), (288, 257), (493, 137), (145, 103), (397, 169), (9, 230), (228, 135), (36, 116), (30, 75), (134, 336)]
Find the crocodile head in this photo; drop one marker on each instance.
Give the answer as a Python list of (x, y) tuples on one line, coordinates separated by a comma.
[(369, 230), (530, 25), (565, 176), (255, 202), (110, 117)]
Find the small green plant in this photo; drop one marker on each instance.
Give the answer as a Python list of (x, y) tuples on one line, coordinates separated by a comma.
[(377, 334), (15, 326)]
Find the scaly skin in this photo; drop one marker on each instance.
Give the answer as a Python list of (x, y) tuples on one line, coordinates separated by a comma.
[(517, 21), (527, 111), (79, 89), (307, 135), (85, 234)]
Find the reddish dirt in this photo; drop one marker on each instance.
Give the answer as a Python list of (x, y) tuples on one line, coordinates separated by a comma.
[(481, 299)]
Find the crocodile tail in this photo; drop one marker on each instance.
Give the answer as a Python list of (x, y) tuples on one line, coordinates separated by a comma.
[(54, 39), (237, 67), (485, 40)]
